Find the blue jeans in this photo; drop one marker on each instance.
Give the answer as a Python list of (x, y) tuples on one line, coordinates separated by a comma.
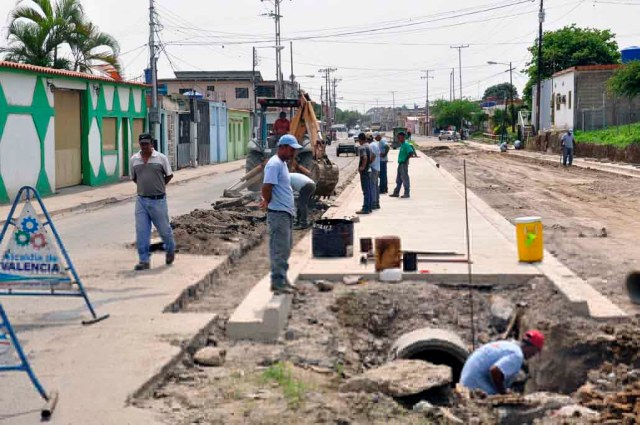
[(375, 190), (567, 156), (152, 211), (280, 225), (402, 178), (383, 177), (365, 183)]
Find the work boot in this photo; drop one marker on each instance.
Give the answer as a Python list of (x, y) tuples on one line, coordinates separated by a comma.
[(170, 258), (406, 195), (301, 226), (394, 195), (282, 290), (363, 212), (142, 266)]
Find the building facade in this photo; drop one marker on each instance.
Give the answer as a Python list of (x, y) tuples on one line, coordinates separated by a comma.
[(60, 128)]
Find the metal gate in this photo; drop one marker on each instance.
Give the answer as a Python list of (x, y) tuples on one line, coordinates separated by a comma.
[(204, 152), (184, 140)]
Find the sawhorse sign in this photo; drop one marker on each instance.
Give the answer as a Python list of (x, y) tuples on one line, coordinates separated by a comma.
[(34, 263), (8, 341)]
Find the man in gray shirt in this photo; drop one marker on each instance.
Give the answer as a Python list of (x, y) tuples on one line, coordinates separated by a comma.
[(568, 142), (151, 171)]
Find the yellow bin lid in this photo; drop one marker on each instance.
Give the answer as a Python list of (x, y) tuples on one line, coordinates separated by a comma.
[(525, 220)]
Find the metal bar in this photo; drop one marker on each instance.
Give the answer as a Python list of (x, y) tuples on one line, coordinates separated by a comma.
[(39, 294), (23, 359), (469, 262), (443, 260)]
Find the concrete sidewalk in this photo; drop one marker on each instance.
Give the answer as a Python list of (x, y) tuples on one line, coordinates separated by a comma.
[(622, 169), (433, 219), (87, 197)]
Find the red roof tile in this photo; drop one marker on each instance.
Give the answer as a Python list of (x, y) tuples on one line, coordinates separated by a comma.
[(65, 73)]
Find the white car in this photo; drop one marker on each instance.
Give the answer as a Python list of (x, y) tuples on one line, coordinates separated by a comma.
[(448, 135)]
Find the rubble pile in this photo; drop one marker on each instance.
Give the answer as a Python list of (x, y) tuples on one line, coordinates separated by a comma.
[(219, 230), (613, 390)]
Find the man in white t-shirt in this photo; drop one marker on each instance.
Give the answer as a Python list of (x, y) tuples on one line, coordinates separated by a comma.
[(305, 188)]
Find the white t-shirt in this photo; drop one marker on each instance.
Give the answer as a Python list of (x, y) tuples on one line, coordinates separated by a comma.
[(298, 181)]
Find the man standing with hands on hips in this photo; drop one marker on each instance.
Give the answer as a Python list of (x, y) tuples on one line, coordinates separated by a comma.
[(277, 199), (151, 172), (402, 177)]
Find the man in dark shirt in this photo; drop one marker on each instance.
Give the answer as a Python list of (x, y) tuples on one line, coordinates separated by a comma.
[(151, 171)]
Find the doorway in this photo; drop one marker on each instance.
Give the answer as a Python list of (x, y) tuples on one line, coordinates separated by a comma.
[(68, 138)]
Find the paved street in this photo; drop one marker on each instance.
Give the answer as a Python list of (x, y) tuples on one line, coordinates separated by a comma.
[(100, 244)]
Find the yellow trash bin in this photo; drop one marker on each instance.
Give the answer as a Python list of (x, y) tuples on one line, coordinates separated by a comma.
[(530, 239)]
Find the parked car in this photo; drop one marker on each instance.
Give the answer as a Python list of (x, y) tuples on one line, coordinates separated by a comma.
[(352, 133), (346, 146), (448, 135)]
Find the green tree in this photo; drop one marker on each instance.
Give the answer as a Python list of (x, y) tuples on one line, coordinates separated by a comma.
[(501, 91), (455, 112), (626, 80), (91, 48), (57, 34), (567, 47)]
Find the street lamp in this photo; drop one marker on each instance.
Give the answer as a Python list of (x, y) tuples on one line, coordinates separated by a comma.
[(513, 120)]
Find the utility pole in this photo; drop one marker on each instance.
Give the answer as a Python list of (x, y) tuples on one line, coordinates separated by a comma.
[(255, 91), (460, 47), (327, 80), (293, 77), (335, 103), (393, 109), (276, 16), (426, 108), (511, 110), (321, 103), (153, 62), (540, 22), (452, 85)]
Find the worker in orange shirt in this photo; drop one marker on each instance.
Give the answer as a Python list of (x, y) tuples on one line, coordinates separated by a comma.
[(281, 126)]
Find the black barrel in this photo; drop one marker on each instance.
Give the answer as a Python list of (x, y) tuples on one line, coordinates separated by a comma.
[(332, 238), (409, 261)]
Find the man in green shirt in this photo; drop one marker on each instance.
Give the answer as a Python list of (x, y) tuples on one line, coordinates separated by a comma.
[(402, 176)]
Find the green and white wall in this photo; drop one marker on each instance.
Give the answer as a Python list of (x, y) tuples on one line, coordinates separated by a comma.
[(28, 119)]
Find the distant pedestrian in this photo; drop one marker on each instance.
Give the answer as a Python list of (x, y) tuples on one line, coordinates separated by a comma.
[(151, 172), (568, 143), (375, 174), (364, 168), (305, 187), (493, 367), (409, 136), (402, 176), (277, 199), (384, 151)]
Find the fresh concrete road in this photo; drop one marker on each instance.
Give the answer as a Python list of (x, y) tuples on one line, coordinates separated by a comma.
[(96, 368)]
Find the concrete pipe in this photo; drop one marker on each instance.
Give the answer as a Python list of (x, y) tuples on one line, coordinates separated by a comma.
[(437, 346), (633, 286)]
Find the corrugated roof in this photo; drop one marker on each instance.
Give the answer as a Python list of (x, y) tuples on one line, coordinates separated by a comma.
[(587, 68), (65, 73), (216, 75)]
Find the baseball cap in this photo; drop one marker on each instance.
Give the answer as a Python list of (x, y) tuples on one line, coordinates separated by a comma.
[(289, 140), (535, 338), (402, 133), (376, 133), (145, 136)]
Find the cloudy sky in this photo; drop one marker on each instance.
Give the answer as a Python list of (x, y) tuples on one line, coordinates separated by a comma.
[(377, 46)]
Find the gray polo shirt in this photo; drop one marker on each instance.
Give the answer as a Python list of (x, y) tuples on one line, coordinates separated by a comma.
[(149, 177)]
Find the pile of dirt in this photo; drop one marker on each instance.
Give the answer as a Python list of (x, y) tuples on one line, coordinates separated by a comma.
[(551, 142), (219, 230)]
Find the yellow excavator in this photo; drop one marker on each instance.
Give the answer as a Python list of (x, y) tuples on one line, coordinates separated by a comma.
[(312, 156)]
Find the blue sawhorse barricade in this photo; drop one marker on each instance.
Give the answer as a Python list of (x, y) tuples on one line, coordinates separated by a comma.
[(20, 274), (7, 329)]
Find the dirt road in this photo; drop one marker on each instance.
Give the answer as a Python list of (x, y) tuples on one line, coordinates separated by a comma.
[(590, 217)]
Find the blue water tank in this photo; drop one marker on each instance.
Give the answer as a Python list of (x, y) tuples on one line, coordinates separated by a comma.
[(630, 54)]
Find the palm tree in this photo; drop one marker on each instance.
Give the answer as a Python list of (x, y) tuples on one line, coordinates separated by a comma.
[(41, 31), (37, 31), (92, 48)]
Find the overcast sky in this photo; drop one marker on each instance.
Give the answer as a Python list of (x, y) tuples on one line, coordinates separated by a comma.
[(377, 46)]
